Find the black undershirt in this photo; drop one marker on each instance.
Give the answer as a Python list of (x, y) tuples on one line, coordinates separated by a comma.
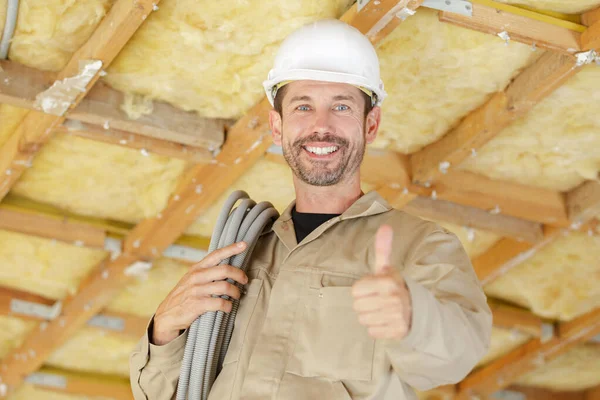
[(305, 223)]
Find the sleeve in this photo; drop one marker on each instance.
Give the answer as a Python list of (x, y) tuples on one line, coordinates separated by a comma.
[(451, 320), (154, 370)]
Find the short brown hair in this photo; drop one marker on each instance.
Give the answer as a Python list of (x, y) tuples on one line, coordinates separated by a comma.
[(278, 102)]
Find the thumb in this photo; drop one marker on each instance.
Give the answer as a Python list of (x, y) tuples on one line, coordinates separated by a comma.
[(383, 249)]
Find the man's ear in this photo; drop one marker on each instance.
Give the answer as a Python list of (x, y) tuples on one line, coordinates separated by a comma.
[(275, 123), (372, 124)]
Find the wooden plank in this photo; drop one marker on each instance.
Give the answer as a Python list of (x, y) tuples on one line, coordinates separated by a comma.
[(102, 106), (147, 145), (510, 317), (483, 124), (507, 369), (590, 39), (429, 208), (507, 254), (508, 198), (133, 326), (591, 17), (52, 228), (121, 22), (377, 19), (583, 202), (520, 28), (246, 144), (82, 384), (19, 86)]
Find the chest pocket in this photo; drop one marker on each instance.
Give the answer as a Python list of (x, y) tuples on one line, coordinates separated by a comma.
[(331, 343)]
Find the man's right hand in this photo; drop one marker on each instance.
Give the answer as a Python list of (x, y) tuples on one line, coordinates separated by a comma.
[(192, 296)]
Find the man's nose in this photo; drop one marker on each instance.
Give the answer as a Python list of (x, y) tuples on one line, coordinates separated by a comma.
[(322, 123)]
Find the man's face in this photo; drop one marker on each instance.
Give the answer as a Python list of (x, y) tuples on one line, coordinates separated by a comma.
[(322, 131)]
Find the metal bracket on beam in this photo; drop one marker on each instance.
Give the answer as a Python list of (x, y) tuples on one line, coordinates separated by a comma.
[(547, 332), (508, 395), (109, 323), (361, 4), (37, 310), (462, 7), (46, 379)]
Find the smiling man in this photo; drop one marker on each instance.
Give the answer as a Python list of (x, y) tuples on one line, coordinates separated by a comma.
[(347, 297)]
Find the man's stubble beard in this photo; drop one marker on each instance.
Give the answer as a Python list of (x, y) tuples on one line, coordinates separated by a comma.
[(316, 174)]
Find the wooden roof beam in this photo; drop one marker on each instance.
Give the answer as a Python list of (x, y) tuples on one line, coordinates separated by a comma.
[(503, 225), (591, 17), (246, 144), (52, 228), (507, 369), (593, 393), (145, 144), (583, 202), (14, 301), (534, 393), (510, 317), (590, 39), (520, 25), (19, 86), (482, 125)]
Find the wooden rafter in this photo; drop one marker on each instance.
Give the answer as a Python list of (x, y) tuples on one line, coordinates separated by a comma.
[(535, 83), (507, 369), (471, 217), (583, 202), (82, 384), (591, 17), (590, 39), (19, 86), (128, 325), (145, 144), (521, 25), (510, 317), (52, 228), (121, 22), (246, 144), (532, 393), (592, 394)]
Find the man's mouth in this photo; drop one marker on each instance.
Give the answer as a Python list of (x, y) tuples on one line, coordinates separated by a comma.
[(321, 151)]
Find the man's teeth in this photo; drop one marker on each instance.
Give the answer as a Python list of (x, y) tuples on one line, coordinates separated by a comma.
[(321, 150)]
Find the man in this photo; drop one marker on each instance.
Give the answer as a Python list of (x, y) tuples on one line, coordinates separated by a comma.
[(347, 298)]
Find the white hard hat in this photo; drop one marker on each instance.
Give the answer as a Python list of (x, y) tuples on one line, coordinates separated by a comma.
[(327, 50)]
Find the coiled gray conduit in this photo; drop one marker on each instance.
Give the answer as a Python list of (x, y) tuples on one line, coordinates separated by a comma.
[(210, 334)]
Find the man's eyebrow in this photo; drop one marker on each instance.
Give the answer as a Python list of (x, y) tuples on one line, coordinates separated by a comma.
[(344, 97), (300, 98)]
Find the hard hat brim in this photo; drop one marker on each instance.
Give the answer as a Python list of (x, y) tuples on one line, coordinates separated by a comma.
[(276, 77)]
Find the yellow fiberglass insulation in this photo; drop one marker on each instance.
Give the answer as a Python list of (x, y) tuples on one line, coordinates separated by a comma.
[(577, 369), (10, 118), (13, 332), (556, 145), (211, 56), (561, 281), (48, 32), (570, 7), (105, 353), (27, 391), (144, 294), (503, 341), (265, 181), (49, 268), (436, 73), (87, 177)]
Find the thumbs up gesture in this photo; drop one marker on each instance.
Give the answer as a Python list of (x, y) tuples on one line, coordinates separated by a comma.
[(382, 300)]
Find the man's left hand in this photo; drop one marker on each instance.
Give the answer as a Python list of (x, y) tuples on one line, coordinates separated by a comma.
[(382, 300)]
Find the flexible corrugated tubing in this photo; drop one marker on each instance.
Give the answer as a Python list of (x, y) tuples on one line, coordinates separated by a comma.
[(210, 334)]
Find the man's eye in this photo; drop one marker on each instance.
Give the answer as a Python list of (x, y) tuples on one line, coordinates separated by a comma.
[(303, 108), (342, 107)]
